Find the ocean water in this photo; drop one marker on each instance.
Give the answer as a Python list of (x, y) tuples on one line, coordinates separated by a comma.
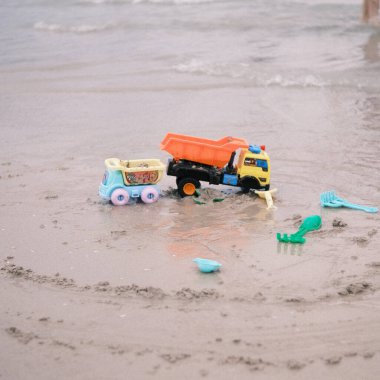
[(122, 45), (293, 71)]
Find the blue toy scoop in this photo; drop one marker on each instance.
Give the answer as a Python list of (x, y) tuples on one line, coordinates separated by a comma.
[(206, 265), (330, 199)]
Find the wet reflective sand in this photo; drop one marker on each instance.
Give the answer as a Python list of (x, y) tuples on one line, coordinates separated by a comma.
[(93, 291)]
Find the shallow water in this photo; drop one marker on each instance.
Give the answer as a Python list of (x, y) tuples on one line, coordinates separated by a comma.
[(111, 45)]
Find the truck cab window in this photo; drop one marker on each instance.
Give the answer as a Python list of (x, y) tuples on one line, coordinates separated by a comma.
[(249, 161)]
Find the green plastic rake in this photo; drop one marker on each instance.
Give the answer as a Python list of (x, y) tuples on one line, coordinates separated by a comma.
[(311, 223)]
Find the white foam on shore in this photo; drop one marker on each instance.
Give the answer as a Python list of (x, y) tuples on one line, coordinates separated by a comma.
[(44, 26), (98, 2), (178, 2), (246, 71), (174, 2), (305, 81)]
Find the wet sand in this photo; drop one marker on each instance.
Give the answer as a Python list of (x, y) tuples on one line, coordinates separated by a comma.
[(93, 291)]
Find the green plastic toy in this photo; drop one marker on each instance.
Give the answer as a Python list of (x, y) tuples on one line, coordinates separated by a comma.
[(311, 223)]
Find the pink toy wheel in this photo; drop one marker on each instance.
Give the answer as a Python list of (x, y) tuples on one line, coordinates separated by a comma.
[(119, 197), (149, 195)]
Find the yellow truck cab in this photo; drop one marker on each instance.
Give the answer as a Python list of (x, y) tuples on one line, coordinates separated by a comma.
[(254, 166)]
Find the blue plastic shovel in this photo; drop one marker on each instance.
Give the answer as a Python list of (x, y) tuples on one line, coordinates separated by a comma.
[(330, 199)]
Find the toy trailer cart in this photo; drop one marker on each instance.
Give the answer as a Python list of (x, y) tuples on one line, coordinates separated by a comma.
[(126, 181), (197, 159)]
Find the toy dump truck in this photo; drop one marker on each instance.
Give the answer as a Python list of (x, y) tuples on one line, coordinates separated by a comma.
[(126, 181), (197, 159)]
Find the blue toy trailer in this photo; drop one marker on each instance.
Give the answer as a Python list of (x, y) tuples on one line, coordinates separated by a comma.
[(126, 181)]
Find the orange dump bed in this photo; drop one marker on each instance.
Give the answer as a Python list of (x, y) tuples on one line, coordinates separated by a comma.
[(196, 149)]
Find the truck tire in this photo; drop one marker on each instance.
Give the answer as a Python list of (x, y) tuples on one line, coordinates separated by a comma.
[(179, 179), (249, 183), (120, 197), (149, 195), (187, 186)]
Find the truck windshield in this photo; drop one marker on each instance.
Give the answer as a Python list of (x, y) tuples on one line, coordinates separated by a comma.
[(249, 161)]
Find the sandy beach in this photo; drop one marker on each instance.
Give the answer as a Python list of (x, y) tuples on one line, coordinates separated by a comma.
[(93, 291)]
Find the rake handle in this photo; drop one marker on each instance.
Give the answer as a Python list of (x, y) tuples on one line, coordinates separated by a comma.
[(359, 207)]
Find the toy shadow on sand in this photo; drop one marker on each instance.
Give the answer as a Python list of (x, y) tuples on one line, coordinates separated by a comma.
[(290, 249)]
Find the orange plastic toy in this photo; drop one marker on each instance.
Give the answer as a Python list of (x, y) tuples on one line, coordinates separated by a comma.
[(205, 151), (198, 159)]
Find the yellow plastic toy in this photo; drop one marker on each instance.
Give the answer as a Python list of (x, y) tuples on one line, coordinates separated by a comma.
[(137, 172), (268, 196)]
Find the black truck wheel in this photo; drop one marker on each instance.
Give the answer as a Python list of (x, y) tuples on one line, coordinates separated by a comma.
[(249, 183), (179, 179), (187, 186)]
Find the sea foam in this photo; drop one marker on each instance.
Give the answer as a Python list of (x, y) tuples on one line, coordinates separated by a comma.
[(42, 25), (174, 2), (248, 72)]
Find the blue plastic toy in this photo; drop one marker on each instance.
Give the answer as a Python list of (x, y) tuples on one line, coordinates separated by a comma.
[(330, 199), (126, 181), (206, 265)]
